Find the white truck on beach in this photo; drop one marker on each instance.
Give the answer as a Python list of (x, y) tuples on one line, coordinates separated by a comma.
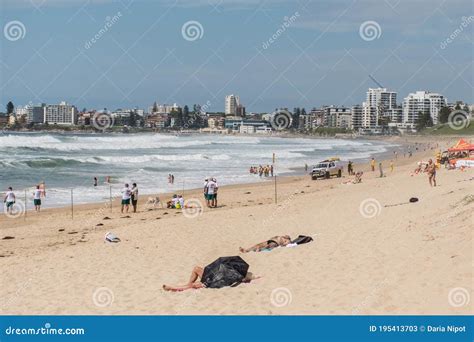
[(327, 168)]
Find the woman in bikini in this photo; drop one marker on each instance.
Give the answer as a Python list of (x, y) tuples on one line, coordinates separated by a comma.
[(274, 242)]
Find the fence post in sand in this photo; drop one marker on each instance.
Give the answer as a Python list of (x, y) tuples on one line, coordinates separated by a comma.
[(26, 203)]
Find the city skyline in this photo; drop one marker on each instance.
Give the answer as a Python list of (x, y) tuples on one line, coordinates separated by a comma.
[(272, 54)]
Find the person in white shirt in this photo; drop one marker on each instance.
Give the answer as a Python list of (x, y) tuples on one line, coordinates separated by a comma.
[(214, 198), (37, 197), (211, 190), (9, 200), (181, 201), (126, 195)]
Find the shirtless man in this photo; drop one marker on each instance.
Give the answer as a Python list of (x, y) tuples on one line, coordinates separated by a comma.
[(274, 242), (431, 170)]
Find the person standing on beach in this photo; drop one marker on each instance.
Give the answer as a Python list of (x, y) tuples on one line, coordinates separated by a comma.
[(381, 169), (211, 188), (306, 167), (37, 194), (134, 197), (95, 181), (391, 165), (126, 195), (9, 200), (214, 197), (431, 170), (372, 164), (349, 168)]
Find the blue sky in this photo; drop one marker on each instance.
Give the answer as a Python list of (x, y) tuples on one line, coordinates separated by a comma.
[(320, 58)]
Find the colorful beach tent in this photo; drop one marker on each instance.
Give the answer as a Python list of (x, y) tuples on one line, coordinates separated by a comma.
[(225, 271), (462, 145)]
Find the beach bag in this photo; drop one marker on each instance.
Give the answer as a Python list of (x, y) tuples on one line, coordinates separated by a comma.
[(302, 239)]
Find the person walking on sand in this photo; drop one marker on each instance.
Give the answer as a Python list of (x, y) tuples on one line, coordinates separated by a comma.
[(134, 197), (372, 164), (9, 200), (349, 168), (126, 195), (391, 165), (431, 170), (37, 194)]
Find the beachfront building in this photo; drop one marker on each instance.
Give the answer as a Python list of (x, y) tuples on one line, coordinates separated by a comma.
[(216, 122), (60, 114), (4, 119), (378, 108), (337, 117), (34, 113), (157, 120), (356, 117), (163, 108), (235, 125), (232, 103), (422, 102)]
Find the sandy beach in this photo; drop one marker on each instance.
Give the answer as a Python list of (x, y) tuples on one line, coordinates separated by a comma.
[(372, 253)]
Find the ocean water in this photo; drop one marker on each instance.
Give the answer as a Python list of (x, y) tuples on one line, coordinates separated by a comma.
[(71, 161)]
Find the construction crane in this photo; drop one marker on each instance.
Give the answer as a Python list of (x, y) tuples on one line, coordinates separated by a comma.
[(375, 81)]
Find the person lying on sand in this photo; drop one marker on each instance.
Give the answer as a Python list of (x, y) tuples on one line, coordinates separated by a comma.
[(357, 179), (195, 281), (274, 242)]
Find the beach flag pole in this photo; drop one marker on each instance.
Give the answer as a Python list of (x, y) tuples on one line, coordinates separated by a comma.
[(72, 204)]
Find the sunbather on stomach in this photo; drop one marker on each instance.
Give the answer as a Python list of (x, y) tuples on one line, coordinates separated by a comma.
[(274, 242)]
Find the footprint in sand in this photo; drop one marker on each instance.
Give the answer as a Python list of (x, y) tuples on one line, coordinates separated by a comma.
[(8, 238), (61, 230), (106, 218), (126, 216), (99, 224), (72, 232)]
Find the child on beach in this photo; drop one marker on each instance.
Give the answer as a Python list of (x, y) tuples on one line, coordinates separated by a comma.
[(9, 200), (372, 164)]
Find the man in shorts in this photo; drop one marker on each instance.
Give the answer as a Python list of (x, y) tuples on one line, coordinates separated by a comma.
[(126, 195), (211, 188), (134, 197), (9, 200), (37, 198)]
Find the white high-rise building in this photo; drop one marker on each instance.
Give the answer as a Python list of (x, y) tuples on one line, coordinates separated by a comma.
[(422, 102), (379, 102), (61, 114), (232, 102)]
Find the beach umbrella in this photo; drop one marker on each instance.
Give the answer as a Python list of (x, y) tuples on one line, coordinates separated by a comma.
[(225, 271)]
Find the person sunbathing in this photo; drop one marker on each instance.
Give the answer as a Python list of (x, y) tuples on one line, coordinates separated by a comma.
[(195, 281), (357, 178), (274, 242)]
